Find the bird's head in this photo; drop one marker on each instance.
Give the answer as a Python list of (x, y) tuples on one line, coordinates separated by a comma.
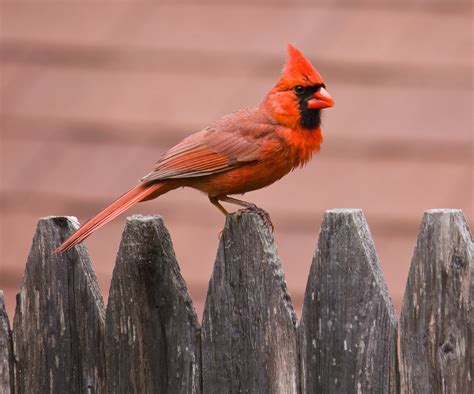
[(299, 95)]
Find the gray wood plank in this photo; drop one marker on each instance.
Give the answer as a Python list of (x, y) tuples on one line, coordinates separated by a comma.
[(58, 329), (348, 331), (6, 350), (153, 335), (249, 339), (437, 319)]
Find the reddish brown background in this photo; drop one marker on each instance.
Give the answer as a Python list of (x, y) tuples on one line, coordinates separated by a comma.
[(92, 93)]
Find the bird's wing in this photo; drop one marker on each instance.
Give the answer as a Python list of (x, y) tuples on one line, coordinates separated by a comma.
[(204, 153)]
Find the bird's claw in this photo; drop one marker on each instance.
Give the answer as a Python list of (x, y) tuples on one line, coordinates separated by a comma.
[(260, 212)]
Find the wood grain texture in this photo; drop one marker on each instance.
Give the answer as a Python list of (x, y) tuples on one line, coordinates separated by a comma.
[(6, 350), (58, 329), (437, 320), (153, 335), (249, 342), (348, 331)]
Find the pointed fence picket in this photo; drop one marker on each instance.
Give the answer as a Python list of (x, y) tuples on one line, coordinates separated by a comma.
[(58, 329), (148, 339), (249, 341), (153, 339), (348, 329), (437, 319)]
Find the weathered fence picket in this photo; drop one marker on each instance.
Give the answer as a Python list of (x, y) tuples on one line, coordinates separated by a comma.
[(348, 330), (58, 329), (149, 339), (437, 319), (249, 327), (6, 350), (153, 336)]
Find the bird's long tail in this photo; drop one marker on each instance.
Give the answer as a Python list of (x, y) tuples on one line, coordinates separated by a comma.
[(141, 192)]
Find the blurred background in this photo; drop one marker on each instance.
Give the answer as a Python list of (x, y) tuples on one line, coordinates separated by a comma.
[(93, 92)]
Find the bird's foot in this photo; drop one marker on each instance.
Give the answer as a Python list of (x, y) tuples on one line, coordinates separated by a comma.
[(260, 212)]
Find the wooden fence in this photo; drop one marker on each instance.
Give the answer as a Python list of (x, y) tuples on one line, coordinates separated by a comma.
[(148, 338)]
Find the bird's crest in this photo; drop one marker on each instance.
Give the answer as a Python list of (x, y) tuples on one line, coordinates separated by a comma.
[(298, 70)]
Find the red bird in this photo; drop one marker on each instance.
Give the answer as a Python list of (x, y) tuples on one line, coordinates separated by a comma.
[(240, 152)]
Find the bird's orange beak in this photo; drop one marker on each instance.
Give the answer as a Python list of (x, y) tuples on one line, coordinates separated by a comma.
[(321, 99)]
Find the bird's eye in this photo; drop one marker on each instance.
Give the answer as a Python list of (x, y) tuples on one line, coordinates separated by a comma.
[(299, 89)]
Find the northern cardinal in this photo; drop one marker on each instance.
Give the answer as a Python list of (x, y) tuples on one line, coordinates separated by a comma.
[(240, 152)]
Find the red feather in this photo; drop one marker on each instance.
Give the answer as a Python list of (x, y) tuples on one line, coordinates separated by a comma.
[(127, 200)]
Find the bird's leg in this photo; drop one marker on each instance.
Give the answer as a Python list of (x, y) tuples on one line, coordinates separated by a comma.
[(214, 201), (248, 207), (236, 201)]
